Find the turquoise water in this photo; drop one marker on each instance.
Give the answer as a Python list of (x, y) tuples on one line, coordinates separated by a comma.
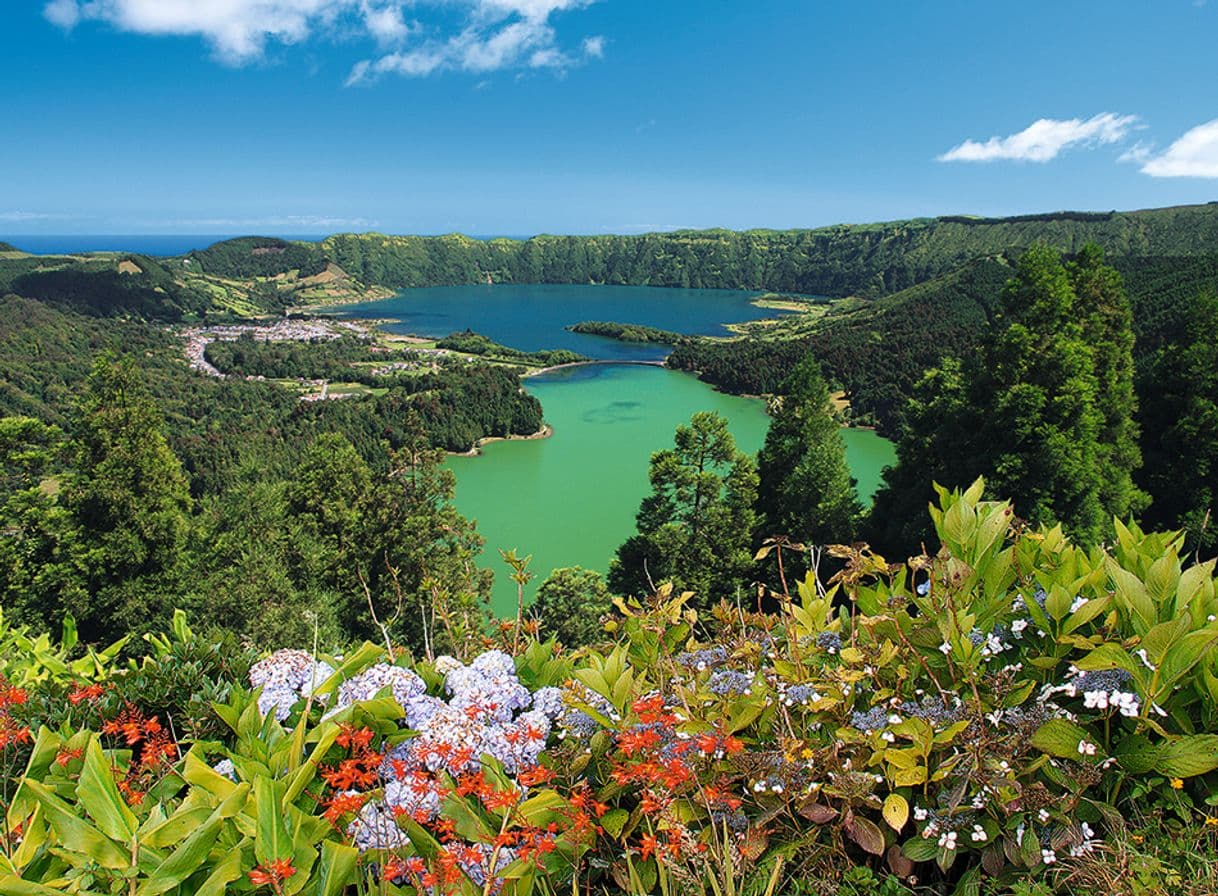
[(570, 500), (534, 317)]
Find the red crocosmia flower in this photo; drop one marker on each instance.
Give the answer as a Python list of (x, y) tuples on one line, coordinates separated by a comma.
[(647, 847), (733, 745), (531, 777), (272, 874), (708, 743), (82, 693), (344, 804), (357, 739), (63, 757), (499, 799)]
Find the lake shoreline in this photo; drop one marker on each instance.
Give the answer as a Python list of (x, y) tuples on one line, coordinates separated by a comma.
[(544, 433)]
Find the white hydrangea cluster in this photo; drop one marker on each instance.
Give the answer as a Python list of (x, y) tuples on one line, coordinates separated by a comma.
[(285, 677)]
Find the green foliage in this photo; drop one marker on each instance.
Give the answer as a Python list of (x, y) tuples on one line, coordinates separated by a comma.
[(869, 260), (476, 344), (627, 332), (695, 526), (1180, 427), (128, 502), (569, 606), (258, 256), (804, 490), (1027, 409)]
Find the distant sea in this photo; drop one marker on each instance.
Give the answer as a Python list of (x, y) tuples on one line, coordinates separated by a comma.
[(143, 244)]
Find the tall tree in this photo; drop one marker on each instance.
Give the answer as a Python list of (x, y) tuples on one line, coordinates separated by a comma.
[(804, 489), (129, 502), (1180, 428), (1027, 411), (696, 525), (35, 555), (1107, 319)]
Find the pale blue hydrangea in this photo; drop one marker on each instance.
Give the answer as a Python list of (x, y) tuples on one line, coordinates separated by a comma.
[(376, 828), (404, 684)]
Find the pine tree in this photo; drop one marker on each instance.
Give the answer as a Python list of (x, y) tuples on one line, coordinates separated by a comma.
[(696, 525), (1043, 410), (129, 501), (1180, 428), (805, 491), (1107, 320)]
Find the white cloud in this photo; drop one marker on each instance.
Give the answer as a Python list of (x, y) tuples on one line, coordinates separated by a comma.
[(314, 223), (1193, 155), (496, 34), (499, 34), (594, 47), (19, 216), (1045, 139)]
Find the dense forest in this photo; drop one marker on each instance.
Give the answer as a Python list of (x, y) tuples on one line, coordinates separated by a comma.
[(866, 260)]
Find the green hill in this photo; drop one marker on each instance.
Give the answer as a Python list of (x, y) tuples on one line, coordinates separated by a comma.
[(870, 260)]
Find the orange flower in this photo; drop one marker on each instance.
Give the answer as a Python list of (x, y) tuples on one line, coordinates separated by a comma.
[(81, 693), (63, 757), (273, 873), (648, 847)]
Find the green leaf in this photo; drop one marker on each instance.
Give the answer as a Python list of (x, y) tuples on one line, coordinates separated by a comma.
[(1131, 596), (613, 821), (1183, 655), (1060, 738), (271, 840), (76, 834), (969, 884), (227, 870), (920, 849), (336, 869), (1137, 755), (1188, 757), (189, 858), (98, 795)]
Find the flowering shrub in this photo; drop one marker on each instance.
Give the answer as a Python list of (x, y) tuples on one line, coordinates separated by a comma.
[(984, 716)]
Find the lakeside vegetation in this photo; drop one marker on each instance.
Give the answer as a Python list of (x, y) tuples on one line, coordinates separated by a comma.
[(750, 702), (628, 332)]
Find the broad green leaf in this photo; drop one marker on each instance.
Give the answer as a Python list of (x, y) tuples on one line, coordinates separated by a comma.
[(77, 835), (920, 849), (227, 870), (1060, 738), (1185, 654), (98, 795), (1137, 755), (1131, 595), (335, 869), (271, 840), (189, 858), (1189, 756), (613, 821)]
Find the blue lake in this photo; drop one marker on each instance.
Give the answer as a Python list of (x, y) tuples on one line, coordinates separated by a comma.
[(532, 317)]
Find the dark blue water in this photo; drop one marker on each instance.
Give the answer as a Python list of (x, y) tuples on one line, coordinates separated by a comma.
[(143, 244), (535, 317)]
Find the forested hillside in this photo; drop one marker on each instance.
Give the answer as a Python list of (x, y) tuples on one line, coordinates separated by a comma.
[(870, 260)]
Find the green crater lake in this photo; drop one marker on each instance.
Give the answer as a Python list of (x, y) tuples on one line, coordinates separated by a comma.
[(570, 500)]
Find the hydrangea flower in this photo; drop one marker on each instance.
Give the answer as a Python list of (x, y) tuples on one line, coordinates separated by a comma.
[(285, 677)]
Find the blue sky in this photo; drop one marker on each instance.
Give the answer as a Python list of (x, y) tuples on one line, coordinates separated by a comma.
[(527, 116)]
